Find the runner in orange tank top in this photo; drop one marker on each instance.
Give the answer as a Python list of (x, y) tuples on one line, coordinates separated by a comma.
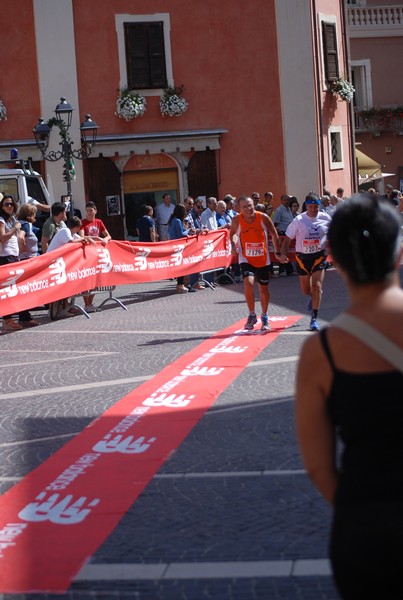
[(249, 240)]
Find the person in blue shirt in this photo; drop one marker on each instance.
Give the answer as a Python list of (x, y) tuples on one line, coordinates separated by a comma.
[(146, 226), (230, 202), (177, 230), (222, 217)]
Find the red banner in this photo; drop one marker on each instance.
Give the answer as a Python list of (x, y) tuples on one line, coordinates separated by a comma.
[(75, 268), (60, 513)]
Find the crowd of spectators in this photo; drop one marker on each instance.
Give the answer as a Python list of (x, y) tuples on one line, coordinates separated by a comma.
[(20, 239)]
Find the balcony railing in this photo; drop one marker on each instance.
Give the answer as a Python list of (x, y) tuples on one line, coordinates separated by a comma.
[(380, 118), (375, 20)]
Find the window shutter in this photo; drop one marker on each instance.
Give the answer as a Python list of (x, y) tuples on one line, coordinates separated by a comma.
[(156, 50), (145, 55), (330, 51), (136, 55)]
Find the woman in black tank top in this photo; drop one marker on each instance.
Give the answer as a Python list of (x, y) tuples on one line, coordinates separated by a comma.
[(350, 392)]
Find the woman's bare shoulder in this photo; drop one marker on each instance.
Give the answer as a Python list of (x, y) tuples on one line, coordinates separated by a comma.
[(311, 349)]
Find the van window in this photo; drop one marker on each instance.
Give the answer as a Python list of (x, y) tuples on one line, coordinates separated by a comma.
[(9, 185), (35, 190)]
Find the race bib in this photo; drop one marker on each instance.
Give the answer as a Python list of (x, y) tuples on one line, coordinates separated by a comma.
[(254, 249), (311, 246)]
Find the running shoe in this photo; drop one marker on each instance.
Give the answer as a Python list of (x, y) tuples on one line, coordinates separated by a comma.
[(309, 305), (252, 320), (313, 325), (264, 319)]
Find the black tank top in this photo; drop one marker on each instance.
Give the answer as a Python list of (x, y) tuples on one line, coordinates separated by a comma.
[(367, 411)]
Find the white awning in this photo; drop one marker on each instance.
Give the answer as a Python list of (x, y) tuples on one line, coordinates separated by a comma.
[(368, 168)]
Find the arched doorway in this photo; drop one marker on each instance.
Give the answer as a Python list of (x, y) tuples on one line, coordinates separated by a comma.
[(145, 179)]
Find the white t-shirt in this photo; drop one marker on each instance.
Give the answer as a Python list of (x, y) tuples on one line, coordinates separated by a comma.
[(61, 237), (309, 232), (163, 212), (10, 247), (209, 219)]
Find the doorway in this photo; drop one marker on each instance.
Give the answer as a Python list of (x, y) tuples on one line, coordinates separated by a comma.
[(146, 187), (133, 210)]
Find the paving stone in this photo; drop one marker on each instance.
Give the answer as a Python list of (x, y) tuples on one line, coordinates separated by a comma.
[(234, 491)]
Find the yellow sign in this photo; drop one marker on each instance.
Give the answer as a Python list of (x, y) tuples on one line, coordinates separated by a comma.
[(150, 181)]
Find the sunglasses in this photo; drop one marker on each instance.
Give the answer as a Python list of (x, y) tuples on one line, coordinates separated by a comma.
[(8, 204)]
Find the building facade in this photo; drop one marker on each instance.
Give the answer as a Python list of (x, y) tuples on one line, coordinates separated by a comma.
[(376, 42), (256, 77)]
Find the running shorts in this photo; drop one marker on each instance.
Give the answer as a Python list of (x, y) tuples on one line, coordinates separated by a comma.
[(261, 273), (309, 263)]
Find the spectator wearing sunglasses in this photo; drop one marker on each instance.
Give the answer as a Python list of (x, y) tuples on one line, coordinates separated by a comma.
[(10, 236)]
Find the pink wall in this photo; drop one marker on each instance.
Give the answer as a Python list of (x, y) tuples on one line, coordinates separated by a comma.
[(335, 112), (386, 63), (18, 71), (225, 57), (227, 61)]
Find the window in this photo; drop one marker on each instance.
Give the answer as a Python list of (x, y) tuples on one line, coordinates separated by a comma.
[(335, 148), (331, 61), (144, 47), (145, 55), (361, 80)]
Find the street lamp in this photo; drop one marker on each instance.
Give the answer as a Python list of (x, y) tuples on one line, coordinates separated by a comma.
[(88, 128)]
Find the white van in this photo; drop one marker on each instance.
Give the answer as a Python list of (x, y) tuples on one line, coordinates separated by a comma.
[(23, 183)]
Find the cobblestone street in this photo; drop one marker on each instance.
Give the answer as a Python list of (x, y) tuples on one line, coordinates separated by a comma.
[(231, 514)]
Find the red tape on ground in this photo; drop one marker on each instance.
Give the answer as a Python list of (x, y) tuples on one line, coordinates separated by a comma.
[(60, 513)]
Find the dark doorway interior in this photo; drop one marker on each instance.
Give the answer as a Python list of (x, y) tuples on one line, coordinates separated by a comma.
[(133, 204), (104, 180)]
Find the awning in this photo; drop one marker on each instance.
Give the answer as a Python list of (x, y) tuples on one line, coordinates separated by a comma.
[(368, 168)]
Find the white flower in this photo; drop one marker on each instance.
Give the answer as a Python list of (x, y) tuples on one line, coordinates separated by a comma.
[(343, 88), (3, 112), (130, 105), (172, 104)]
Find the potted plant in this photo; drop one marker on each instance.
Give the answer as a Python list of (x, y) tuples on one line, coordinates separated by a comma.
[(171, 102), (342, 88), (130, 105), (382, 117), (3, 111)]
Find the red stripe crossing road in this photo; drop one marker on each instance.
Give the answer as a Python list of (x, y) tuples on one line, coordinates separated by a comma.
[(60, 513)]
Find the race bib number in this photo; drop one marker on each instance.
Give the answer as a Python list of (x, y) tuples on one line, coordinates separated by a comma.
[(254, 249), (311, 246)]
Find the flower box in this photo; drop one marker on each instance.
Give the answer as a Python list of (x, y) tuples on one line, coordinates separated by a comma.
[(130, 105), (171, 102)]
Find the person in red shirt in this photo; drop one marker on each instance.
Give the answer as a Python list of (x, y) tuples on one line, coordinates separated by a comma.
[(91, 226)]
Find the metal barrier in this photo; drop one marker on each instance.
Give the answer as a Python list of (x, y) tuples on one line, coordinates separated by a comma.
[(107, 288)]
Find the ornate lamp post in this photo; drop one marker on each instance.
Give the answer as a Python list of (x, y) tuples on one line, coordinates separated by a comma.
[(88, 128)]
